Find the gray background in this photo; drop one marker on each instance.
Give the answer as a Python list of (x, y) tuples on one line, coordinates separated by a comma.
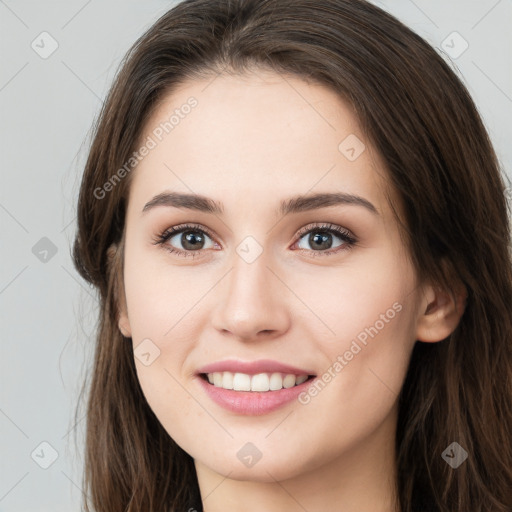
[(47, 106)]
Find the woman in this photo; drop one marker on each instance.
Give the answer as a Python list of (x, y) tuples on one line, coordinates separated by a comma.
[(298, 229)]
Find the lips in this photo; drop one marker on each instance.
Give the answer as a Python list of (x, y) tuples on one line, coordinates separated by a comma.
[(253, 388), (263, 398), (254, 367)]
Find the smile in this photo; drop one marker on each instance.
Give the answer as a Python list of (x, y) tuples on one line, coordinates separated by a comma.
[(261, 382)]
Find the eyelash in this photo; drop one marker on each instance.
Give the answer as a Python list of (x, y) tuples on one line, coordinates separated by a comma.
[(349, 240)]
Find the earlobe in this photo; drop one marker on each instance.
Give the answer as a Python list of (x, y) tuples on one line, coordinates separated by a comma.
[(114, 259), (124, 325), (441, 313)]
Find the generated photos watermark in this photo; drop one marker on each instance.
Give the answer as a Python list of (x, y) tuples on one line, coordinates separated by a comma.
[(151, 142), (344, 359)]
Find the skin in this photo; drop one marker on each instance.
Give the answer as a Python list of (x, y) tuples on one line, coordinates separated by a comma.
[(251, 142)]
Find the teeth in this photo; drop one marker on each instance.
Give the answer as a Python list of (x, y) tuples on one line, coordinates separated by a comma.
[(227, 380), (276, 381), (217, 379), (300, 379), (261, 382), (241, 382), (289, 381)]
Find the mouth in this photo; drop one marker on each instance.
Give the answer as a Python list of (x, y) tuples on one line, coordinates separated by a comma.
[(259, 383), (253, 387)]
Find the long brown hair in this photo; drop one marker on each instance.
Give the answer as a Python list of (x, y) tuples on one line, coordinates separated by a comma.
[(422, 121)]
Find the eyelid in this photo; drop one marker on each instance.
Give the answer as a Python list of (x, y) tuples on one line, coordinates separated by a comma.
[(179, 228), (325, 226)]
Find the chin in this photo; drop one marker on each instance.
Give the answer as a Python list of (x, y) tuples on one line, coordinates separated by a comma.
[(266, 470)]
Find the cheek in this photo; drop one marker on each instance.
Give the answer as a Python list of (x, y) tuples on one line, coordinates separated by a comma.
[(369, 311), (155, 307), (364, 299), (158, 297), (356, 395)]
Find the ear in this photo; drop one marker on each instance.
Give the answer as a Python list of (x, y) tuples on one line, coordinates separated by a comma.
[(115, 265), (441, 313)]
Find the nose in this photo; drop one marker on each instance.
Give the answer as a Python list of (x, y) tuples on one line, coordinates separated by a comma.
[(252, 302)]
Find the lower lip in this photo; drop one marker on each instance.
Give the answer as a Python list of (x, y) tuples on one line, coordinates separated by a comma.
[(253, 403)]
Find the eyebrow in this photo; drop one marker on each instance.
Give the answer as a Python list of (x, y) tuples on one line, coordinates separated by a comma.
[(295, 204)]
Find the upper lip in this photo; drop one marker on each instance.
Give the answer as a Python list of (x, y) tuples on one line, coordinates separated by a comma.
[(253, 367)]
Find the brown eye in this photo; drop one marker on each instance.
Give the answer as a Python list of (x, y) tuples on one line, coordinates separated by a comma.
[(185, 240), (321, 239), (189, 240)]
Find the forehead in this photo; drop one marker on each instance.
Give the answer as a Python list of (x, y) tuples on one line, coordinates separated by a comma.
[(255, 136)]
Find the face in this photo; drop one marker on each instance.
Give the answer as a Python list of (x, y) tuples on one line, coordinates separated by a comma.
[(262, 278)]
